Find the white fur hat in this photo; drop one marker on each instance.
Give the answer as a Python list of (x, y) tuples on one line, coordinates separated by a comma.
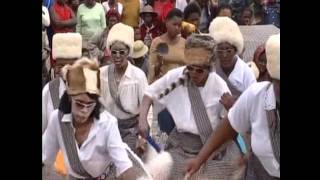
[(123, 33), (273, 56), (45, 16), (224, 29), (66, 45), (254, 68)]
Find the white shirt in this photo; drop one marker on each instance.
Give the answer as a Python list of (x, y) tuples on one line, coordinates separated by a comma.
[(178, 102), (249, 111), (181, 4), (103, 145), (130, 90), (241, 76), (47, 105), (107, 8)]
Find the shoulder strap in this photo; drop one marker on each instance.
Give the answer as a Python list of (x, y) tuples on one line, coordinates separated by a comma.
[(235, 92), (70, 146), (199, 112), (273, 119), (114, 88), (54, 92)]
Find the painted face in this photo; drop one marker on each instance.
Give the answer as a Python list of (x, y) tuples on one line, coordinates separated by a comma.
[(174, 26), (119, 54), (226, 54), (198, 74), (81, 107)]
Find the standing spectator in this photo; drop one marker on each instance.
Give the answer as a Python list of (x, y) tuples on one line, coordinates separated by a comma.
[(62, 17), (192, 14), (151, 27), (140, 56), (246, 17), (257, 9), (90, 19), (206, 14), (99, 49), (130, 13), (159, 65), (137, 33), (112, 17), (162, 8), (112, 4), (225, 10), (271, 12), (260, 59), (237, 7)]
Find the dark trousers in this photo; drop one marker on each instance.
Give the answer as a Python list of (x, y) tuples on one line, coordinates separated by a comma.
[(165, 121)]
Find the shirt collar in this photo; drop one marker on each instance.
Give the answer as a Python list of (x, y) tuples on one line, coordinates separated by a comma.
[(93, 130), (128, 73)]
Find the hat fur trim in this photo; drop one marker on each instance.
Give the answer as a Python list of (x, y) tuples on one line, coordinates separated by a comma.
[(273, 56), (66, 45), (224, 29)]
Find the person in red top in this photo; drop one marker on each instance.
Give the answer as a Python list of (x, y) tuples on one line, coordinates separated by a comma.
[(162, 7), (151, 27), (112, 17), (62, 17)]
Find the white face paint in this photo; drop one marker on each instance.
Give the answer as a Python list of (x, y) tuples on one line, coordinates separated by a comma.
[(82, 107)]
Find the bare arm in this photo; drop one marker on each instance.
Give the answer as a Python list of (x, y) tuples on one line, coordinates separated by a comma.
[(72, 21), (143, 122), (223, 133)]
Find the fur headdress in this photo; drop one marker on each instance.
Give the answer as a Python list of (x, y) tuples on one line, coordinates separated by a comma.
[(224, 29), (82, 77), (123, 33), (66, 46), (273, 56)]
